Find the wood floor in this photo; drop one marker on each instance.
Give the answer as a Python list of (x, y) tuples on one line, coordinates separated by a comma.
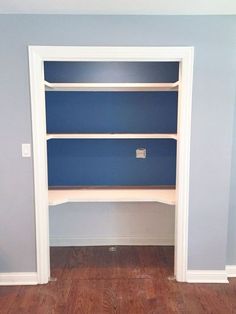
[(130, 280)]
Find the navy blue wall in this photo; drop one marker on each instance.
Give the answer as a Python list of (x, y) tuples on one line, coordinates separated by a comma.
[(108, 112), (115, 72), (111, 162)]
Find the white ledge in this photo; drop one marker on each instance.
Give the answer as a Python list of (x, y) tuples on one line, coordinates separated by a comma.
[(111, 136), (96, 87), (61, 196)]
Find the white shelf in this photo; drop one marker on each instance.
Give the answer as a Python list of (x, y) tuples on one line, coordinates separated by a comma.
[(112, 136), (60, 196), (96, 87)]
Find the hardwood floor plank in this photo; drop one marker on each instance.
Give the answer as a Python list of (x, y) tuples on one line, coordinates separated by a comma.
[(8, 295)]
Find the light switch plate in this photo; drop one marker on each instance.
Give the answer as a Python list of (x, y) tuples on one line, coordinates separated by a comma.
[(141, 153), (26, 150)]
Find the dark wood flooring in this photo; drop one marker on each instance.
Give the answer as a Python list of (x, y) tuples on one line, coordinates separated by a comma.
[(131, 280)]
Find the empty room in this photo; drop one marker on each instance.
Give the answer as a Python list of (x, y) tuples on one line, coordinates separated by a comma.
[(118, 159)]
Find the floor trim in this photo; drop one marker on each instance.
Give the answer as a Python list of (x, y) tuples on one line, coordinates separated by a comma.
[(231, 270), (207, 276), (96, 241), (12, 279)]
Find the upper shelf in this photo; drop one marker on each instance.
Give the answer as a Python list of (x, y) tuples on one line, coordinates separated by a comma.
[(112, 136), (99, 87)]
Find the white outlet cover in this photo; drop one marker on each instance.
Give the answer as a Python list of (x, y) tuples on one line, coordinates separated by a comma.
[(141, 153), (26, 150)]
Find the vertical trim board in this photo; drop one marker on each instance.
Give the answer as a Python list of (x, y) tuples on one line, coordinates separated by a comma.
[(40, 165)]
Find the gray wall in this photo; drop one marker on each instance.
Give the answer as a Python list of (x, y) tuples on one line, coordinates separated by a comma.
[(212, 121), (112, 224)]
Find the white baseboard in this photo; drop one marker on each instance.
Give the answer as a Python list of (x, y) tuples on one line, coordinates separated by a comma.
[(12, 279), (231, 270), (76, 241), (207, 276)]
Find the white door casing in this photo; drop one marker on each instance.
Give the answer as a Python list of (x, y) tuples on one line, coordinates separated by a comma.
[(37, 56)]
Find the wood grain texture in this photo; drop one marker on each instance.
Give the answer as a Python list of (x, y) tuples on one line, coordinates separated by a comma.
[(130, 280)]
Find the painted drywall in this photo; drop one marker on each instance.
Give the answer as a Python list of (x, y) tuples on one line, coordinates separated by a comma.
[(152, 7), (231, 249), (212, 120), (109, 112), (113, 72), (112, 224), (111, 162)]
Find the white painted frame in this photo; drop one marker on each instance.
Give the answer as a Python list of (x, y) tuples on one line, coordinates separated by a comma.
[(39, 54)]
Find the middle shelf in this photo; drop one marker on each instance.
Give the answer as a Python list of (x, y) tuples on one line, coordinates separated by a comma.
[(93, 87), (112, 136)]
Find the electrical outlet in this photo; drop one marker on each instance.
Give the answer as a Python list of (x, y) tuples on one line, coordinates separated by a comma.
[(141, 153)]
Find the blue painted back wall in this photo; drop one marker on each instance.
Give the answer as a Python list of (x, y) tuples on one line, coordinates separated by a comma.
[(111, 112), (111, 72), (111, 162)]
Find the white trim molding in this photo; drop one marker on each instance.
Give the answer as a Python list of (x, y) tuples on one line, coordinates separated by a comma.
[(207, 276), (96, 241), (13, 279), (230, 270), (37, 56)]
